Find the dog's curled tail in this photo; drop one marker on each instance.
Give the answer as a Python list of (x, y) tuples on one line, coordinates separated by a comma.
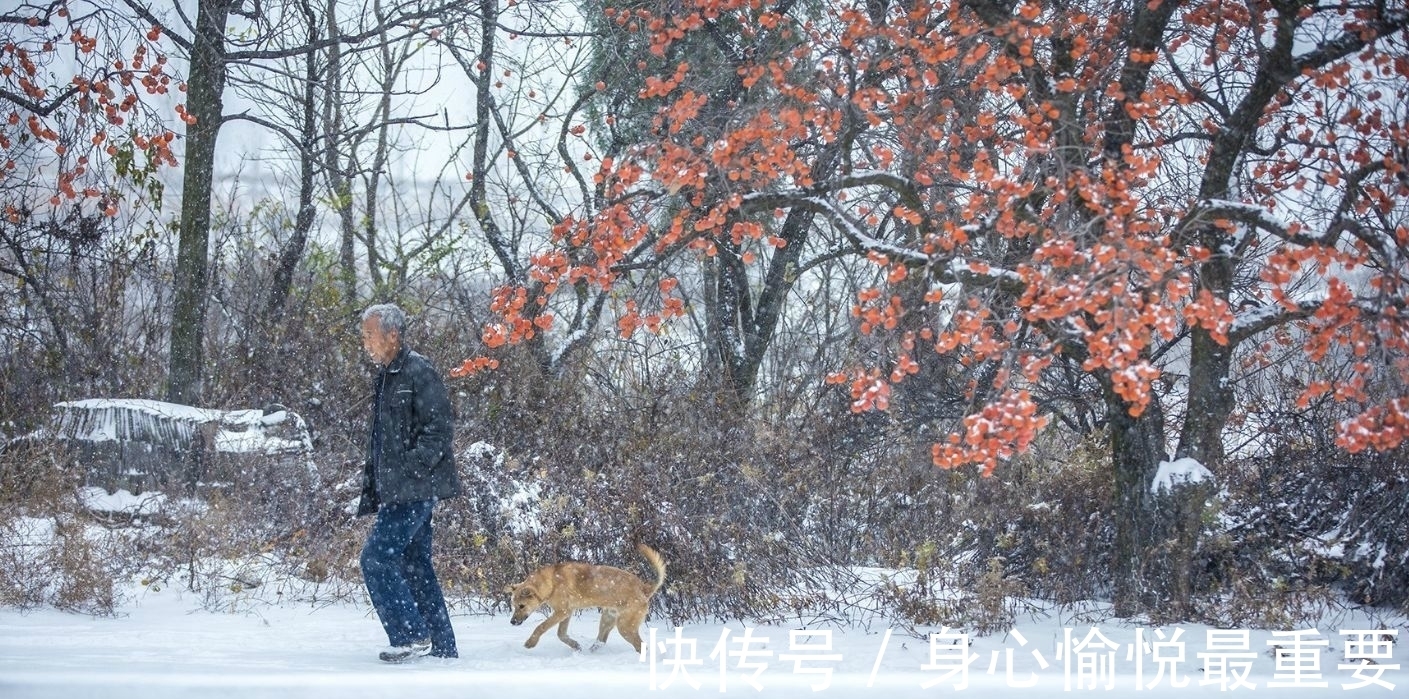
[(656, 563)]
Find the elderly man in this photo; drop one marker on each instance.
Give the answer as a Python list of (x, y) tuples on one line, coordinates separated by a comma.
[(409, 466)]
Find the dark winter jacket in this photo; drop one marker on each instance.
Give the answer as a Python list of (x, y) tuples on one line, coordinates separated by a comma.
[(409, 455)]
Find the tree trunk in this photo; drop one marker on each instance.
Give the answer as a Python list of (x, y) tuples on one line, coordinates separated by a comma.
[(292, 253), (204, 102), (1137, 448), (339, 178), (1157, 525), (727, 319), (741, 328)]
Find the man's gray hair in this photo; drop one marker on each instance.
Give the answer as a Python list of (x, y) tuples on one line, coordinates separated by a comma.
[(389, 316)]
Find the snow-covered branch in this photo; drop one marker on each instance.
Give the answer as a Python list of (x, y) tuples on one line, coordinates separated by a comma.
[(1251, 215), (1256, 319)]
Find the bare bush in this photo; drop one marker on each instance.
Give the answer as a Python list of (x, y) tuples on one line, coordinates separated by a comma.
[(51, 552)]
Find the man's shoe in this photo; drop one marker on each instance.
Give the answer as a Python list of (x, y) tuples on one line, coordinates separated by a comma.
[(400, 654)]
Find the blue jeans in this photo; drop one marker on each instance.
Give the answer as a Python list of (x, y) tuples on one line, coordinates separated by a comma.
[(396, 565)]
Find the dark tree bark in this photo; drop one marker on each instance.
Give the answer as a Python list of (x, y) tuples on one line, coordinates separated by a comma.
[(205, 88), (292, 252)]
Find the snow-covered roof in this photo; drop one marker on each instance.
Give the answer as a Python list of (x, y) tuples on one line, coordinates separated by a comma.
[(178, 426)]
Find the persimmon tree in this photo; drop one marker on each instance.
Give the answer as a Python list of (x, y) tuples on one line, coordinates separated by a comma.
[(526, 161), (1125, 190), (742, 291), (86, 103), (80, 95)]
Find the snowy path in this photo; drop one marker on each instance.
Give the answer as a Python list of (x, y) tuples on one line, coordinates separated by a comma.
[(163, 645)]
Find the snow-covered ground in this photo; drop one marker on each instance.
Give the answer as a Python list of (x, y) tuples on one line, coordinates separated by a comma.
[(164, 644)]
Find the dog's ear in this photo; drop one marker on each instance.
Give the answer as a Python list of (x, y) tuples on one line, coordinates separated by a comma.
[(509, 589)]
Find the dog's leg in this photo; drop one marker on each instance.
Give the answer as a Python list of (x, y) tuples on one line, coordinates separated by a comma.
[(629, 625), (609, 617), (563, 634), (548, 623)]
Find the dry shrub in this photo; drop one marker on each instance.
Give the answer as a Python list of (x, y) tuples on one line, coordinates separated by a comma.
[(733, 511), (763, 520), (242, 546), (234, 545), (51, 552), (1304, 531), (984, 548)]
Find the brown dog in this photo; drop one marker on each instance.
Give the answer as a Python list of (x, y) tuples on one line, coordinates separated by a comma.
[(568, 587)]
